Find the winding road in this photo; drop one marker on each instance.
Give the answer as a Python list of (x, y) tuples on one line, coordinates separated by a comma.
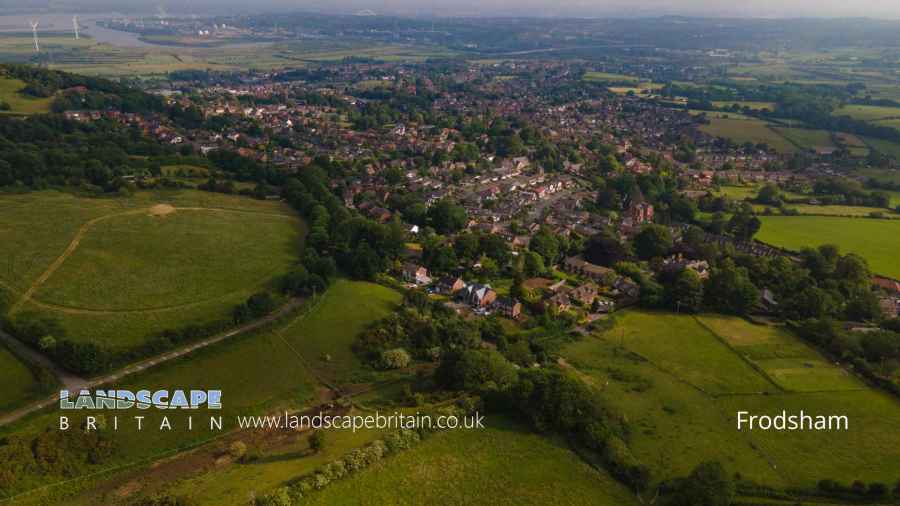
[(72, 382)]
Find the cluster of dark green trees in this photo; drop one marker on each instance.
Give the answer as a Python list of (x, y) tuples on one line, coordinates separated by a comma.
[(840, 190), (53, 454), (337, 237), (49, 150), (83, 92), (813, 104)]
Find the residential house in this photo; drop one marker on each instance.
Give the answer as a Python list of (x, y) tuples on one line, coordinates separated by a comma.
[(450, 285), (478, 296), (416, 274), (581, 267), (508, 307)]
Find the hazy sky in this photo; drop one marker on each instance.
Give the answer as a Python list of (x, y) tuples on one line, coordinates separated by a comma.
[(712, 8)]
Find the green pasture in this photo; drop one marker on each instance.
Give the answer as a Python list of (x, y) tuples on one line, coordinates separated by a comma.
[(17, 383), (748, 130), (263, 372), (875, 240), (119, 270), (19, 103), (503, 464), (676, 425)]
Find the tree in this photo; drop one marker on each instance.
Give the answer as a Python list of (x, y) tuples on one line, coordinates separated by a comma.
[(545, 244), (769, 195), (237, 450), (653, 241), (685, 293), (730, 290), (605, 249), (396, 358), (744, 226), (316, 441), (707, 485), (533, 264), (447, 217), (466, 247), (475, 369)]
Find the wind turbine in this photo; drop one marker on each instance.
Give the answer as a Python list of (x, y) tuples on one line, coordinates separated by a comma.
[(75, 26), (34, 25)]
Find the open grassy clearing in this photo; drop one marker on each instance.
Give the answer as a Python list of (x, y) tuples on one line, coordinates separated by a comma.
[(756, 106), (19, 103), (789, 362), (257, 374), (116, 271), (814, 210), (740, 192), (141, 261), (806, 138), (326, 337), (677, 426), (684, 348), (606, 76), (748, 130), (502, 464), (875, 240), (17, 383), (886, 175), (868, 112), (882, 146)]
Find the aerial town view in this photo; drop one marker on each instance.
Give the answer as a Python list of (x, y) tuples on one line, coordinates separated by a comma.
[(390, 252)]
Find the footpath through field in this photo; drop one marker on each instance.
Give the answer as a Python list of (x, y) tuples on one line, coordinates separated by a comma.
[(74, 383)]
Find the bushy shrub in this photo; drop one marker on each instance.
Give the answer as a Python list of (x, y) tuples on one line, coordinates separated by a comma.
[(396, 358)]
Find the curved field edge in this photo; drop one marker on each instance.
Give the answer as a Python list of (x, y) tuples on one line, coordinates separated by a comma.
[(108, 290), (140, 262), (262, 372)]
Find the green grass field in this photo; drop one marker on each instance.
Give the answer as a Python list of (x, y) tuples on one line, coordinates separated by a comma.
[(806, 138), (17, 383), (868, 112), (875, 240), (116, 271), (756, 106), (502, 464), (748, 130), (19, 103), (883, 146), (686, 349), (787, 361), (676, 425), (606, 76), (257, 373), (326, 337)]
